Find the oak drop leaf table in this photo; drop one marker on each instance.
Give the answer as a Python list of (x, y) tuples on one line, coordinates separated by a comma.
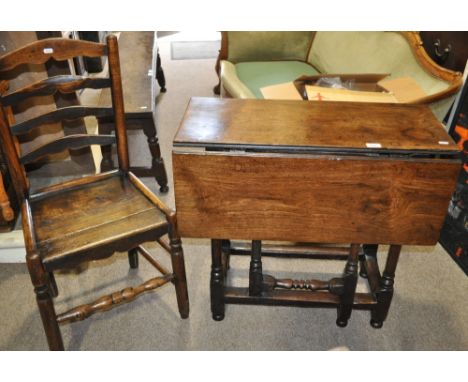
[(311, 172)]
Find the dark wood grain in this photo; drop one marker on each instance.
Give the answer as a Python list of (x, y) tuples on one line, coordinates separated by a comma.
[(349, 286), (385, 292), (66, 113), (170, 214), (71, 184), (75, 141), (101, 197), (90, 218), (91, 215), (178, 265), (39, 52), (307, 198), (457, 56), (237, 295), (213, 122), (217, 281), (117, 102), (48, 86), (107, 302), (304, 172), (293, 250), (28, 227), (255, 272), (83, 157)]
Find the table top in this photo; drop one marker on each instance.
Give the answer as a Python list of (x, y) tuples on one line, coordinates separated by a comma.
[(312, 126)]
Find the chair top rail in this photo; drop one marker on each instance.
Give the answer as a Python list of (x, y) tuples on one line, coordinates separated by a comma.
[(60, 49)]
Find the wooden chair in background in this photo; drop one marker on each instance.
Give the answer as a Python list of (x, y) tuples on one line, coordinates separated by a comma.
[(91, 217), (7, 214)]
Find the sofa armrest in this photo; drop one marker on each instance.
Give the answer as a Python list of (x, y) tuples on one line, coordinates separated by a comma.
[(231, 82)]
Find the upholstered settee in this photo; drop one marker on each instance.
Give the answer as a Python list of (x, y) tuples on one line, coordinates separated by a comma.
[(249, 61)]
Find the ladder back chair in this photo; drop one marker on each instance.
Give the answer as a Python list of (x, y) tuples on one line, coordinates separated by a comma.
[(92, 217)]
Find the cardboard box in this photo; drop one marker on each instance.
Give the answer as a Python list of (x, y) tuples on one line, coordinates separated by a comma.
[(282, 92), (367, 82), (318, 93), (365, 88), (405, 89)]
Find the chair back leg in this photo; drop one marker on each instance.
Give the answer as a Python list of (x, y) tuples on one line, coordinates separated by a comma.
[(133, 258), (53, 285)]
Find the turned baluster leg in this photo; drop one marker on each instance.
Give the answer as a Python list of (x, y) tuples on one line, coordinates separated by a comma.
[(107, 163), (369, 250), (349, 286), (133, 258), (178, 267), (255, 273), (157, 163), (217, 281), (385, 294), (42, 287), (5, 207)]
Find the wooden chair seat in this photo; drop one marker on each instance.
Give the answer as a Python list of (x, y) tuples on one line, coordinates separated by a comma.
[(80, 220)]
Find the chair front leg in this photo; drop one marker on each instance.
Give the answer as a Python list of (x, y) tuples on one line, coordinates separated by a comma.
[(44, 292), (178, 267)]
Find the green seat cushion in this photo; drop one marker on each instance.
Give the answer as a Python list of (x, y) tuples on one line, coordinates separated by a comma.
[(256, 75)]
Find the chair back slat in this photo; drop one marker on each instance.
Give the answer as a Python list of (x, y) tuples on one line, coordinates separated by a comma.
[(75, 141), (59, 49), (48, 86), (66, 113)]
